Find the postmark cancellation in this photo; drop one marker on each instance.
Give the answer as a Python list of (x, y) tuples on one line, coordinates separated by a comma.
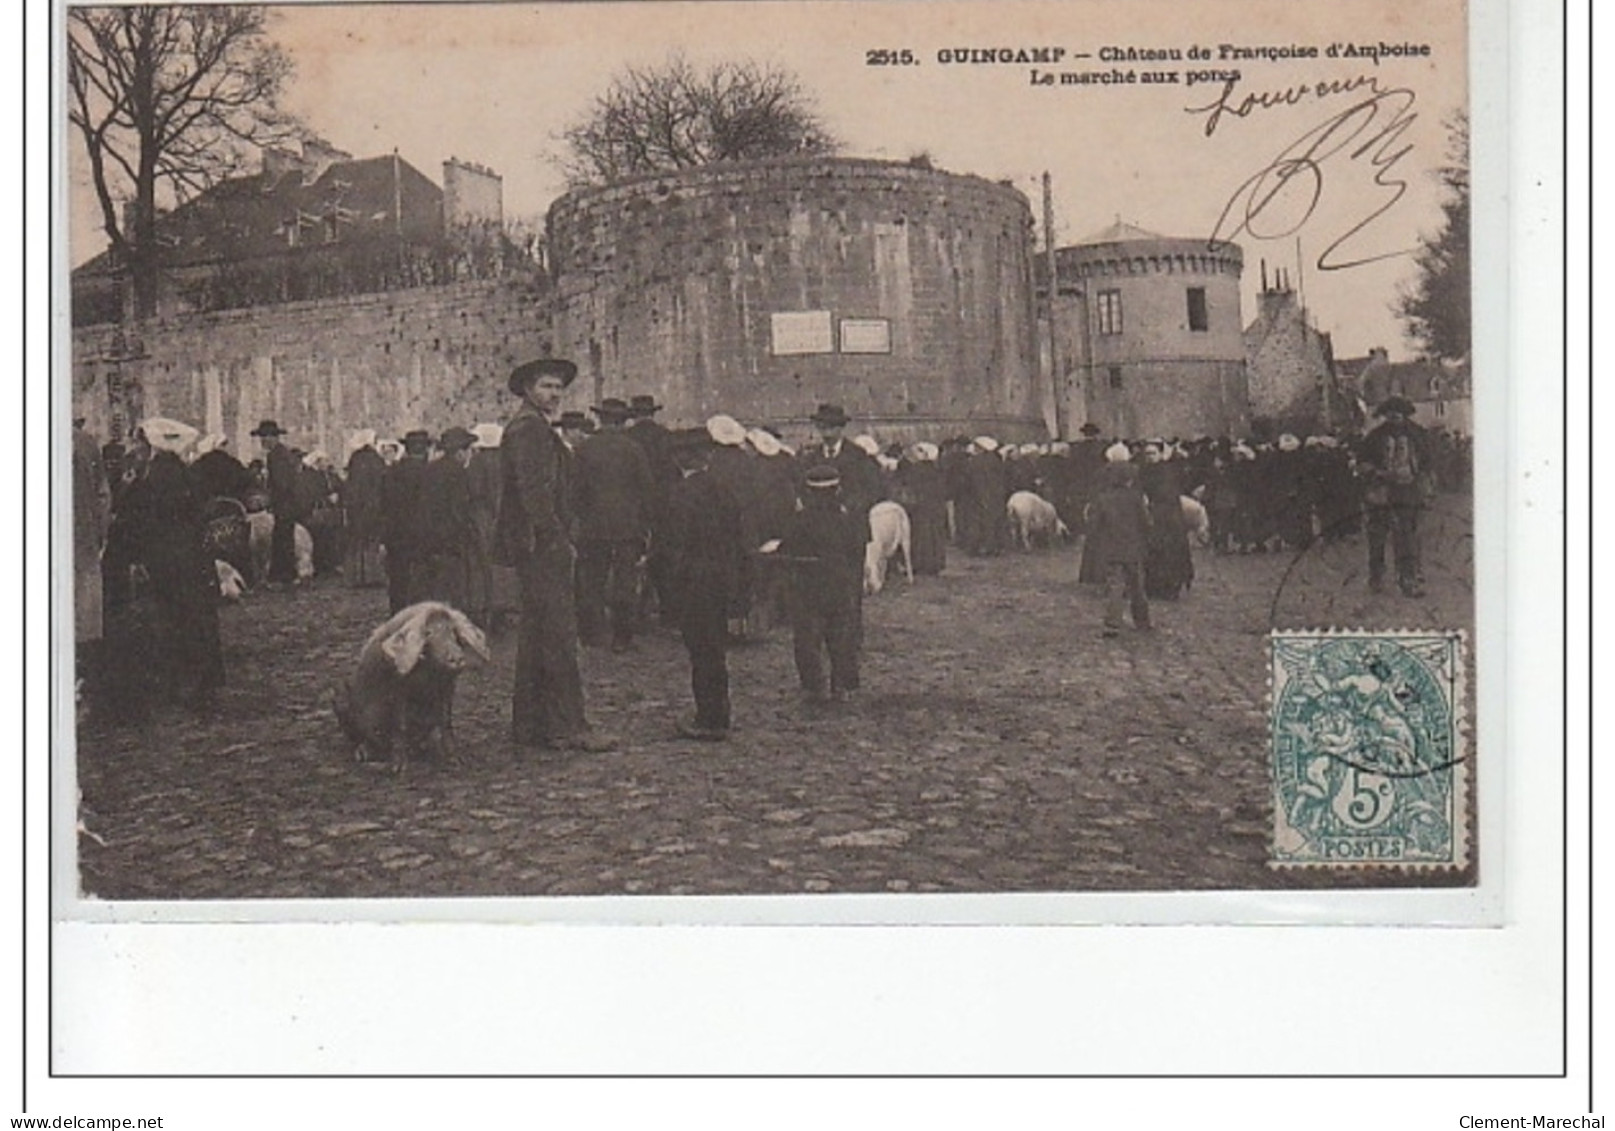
[(1368, 748)]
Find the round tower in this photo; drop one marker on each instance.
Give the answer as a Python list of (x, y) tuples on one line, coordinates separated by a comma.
[(762, 289), (1153, 328)]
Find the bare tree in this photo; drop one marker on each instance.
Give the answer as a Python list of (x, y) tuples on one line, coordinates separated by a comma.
[(675, 116), (168, 100)]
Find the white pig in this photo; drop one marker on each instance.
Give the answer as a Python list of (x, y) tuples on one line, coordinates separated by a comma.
[(230, 581), (1196, 520), (889, 532), (1034, 521)]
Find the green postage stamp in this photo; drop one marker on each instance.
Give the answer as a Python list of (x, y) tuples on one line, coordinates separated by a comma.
[(1369, 759)]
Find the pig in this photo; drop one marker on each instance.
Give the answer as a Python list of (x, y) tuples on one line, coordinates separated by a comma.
[(230, 580), (889, 532), (1196, 520), (261, 529), (1033, 520), (401, 696)]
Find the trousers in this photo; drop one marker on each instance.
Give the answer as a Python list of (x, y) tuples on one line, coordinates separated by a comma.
[(547, 702), (1125, 581), (1401, 523), (704, 624), (820, 627), (608, 583)]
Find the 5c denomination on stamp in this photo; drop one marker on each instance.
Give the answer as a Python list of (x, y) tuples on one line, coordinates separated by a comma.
[(1368, 756)]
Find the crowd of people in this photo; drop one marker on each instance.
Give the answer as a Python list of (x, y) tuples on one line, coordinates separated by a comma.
[(585, 528)]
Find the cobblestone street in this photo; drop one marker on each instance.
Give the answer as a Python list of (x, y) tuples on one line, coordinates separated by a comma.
[(999, 744)]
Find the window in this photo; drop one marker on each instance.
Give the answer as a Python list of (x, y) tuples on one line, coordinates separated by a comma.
[(1115, 376), (1197, 308), (1110, 312)]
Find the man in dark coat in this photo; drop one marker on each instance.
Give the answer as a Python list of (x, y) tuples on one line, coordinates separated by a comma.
[(400, 502), (1169, 565), (654, 440), (615, 495), (444, 532), (285, 500), (1395, 461), (218, 474), (361, 506), (1119, 530), (706, 554), (861, 486), (534, 534), (824, 548)]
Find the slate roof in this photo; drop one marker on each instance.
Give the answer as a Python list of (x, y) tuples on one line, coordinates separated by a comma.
[(249, 217)]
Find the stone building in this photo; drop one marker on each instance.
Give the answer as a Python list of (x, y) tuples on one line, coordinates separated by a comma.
[(309, 224), (1291, 367), (1440, 392), (1148, 333), (762, 289)]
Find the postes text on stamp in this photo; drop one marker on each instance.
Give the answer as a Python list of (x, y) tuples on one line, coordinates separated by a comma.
[(1368, 756)]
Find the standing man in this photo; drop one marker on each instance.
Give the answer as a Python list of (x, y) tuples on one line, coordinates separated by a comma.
[(706, 554), (445, 534), (824, 547), (655, 440), (615, 496), (1396, 466), (284, 468), (92, 517), (534, 536), (861, 486), (400, 503)]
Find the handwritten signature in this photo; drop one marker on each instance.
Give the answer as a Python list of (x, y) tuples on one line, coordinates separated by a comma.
[(1281, 197)]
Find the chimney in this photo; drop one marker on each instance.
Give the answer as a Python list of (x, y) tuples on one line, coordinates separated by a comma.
[(318, 156)]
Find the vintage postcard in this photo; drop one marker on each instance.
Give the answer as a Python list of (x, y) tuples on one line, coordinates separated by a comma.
[(600, 457)]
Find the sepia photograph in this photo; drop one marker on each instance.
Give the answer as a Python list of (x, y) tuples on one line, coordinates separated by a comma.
[(546, 451)]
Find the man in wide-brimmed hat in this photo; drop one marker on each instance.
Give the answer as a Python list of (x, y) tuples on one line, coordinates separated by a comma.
[(614, 495), (443, 532), (655, 441), (1396, 461), (534, 534), (285, 501)]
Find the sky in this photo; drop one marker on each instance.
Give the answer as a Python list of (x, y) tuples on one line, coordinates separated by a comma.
[(497, 84)]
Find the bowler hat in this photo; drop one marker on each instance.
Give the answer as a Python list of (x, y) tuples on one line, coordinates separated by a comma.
[(456, 439), (1399, 406), (417, 438), (612, 408), (832, 415), (269, 428), (1090, 429), (525, 374), (643, 404)]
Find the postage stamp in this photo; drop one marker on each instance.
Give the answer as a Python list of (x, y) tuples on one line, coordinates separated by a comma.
[(1368, 755)]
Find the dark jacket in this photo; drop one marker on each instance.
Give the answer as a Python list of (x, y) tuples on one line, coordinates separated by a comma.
[(400, 497), (861, 483), (1395, 459), (219, 475), (824, 546), (615, 492), (285, 470), (535, 491), (702, 539), (1119, 524), (442, 520), (361, 493)]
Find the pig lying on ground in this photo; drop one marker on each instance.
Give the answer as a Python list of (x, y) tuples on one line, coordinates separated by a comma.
[(889, 532), (402, 694), (1033, 521)]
